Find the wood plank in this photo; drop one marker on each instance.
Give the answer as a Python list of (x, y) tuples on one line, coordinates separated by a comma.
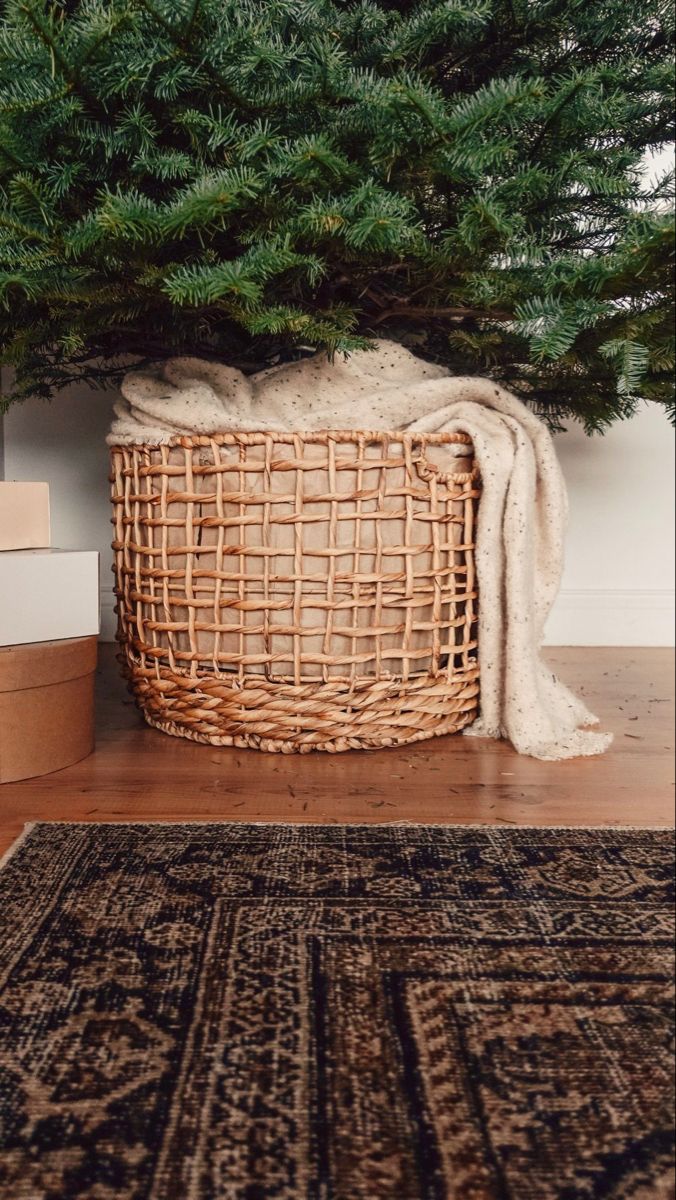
[(138, 774)]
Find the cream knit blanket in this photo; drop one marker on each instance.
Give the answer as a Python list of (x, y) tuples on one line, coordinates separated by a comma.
[(522, 512)]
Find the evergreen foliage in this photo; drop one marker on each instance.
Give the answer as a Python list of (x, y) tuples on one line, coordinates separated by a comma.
[(254, 180)]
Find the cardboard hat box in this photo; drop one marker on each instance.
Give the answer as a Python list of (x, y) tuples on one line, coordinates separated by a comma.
[(48, 594), (24, 515), (46, 706)]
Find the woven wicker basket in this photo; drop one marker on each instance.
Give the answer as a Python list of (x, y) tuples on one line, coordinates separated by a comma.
[(299, 592)]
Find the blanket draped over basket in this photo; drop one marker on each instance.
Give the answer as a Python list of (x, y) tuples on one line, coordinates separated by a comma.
[(521, 515)]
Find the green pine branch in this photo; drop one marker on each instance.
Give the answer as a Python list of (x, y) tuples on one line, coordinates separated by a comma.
[(250, 182)]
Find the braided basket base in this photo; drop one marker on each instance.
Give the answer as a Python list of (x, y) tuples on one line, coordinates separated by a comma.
[(289, 719)]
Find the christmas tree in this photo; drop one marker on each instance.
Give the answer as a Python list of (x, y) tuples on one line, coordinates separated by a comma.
[(255, 181)]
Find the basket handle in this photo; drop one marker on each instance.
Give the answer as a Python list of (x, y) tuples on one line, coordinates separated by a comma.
[(428, 470)]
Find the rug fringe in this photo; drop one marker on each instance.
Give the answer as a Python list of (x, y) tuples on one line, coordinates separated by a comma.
[(485, 825), (19, 841)]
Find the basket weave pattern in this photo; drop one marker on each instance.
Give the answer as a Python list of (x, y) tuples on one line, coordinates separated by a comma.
[(299, 591)]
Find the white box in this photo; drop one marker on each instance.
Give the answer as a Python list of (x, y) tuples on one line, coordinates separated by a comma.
[(46, 595), (24, 515)]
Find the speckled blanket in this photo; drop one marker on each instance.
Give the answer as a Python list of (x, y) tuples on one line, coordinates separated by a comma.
[(522, 514)]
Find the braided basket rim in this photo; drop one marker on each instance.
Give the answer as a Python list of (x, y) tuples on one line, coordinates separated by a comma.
[(306, 435), (319, 436)]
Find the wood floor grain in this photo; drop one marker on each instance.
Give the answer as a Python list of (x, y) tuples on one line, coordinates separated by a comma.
[(139, 774)]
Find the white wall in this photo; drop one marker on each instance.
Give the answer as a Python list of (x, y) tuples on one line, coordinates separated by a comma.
[(619, 578), (618, 583)]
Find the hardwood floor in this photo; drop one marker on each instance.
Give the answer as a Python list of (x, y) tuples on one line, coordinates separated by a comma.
[(139, 774)]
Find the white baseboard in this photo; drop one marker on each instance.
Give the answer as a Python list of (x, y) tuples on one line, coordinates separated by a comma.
[(579, 618), (612, 618)]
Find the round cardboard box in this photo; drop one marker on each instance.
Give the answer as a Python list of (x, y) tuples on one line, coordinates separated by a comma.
[(46, 706)]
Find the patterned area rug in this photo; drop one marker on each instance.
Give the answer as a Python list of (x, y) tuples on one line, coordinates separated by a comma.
[(252, 1012)]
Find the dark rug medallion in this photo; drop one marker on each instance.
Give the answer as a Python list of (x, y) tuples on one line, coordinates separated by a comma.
[(238, 1012)]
